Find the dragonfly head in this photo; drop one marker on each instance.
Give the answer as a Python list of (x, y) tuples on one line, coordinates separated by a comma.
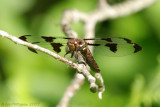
[(76, 44)]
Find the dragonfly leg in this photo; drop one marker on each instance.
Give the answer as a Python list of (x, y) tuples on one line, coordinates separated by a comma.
[(82, 63), (71, 56), (67, 53)]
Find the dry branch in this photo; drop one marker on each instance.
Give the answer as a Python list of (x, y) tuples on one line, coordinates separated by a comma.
[(103, 11), (80, 67)]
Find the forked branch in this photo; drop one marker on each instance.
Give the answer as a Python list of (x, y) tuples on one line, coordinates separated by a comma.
[(80, 67), (103, 12)]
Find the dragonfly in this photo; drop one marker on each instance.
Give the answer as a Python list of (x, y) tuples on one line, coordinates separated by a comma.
[(116, 46)]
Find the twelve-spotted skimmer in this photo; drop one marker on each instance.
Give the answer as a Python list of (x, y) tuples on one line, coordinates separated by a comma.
[(117, 46)]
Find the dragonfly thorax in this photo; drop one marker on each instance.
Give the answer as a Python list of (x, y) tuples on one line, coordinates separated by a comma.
[(76, 44)]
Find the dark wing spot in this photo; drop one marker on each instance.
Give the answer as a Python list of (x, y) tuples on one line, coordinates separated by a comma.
[(68, 38), (35, 42), (112, 47), (127, 40), (93, 44), (107, 39), (24, 38), (32, 50), (137, 48), (56, 47), (89, 39), (48, 39)]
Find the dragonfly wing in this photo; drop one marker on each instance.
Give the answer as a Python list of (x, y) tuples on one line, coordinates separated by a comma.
[(52, 43), (116, 46)]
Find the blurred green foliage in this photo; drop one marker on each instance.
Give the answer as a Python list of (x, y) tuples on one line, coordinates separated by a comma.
[(131, 81)]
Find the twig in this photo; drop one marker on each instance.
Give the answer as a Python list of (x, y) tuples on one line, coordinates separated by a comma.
[(103, 12), (70, 91), (80, 67), (54, 55)]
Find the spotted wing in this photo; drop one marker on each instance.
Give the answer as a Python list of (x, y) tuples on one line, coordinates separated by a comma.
[(115, 46), (48, 42)]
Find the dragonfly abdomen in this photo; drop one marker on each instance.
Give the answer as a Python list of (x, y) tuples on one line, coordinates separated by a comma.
[(90, 60)]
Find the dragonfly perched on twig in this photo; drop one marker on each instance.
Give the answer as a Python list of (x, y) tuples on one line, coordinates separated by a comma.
[(115, 46)]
